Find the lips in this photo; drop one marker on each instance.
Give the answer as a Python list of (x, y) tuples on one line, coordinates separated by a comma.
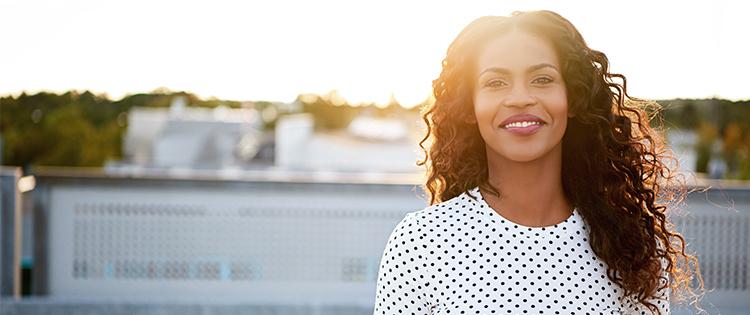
[(519, 118)]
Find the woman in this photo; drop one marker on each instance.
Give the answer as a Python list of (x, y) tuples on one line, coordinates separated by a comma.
[(543, 175)]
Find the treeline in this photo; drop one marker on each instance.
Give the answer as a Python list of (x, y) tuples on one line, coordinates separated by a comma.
[(85, 129), (330, 111), (73, 129), (722, 128)]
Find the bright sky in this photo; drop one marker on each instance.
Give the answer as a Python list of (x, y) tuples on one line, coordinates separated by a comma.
[(275, 50)]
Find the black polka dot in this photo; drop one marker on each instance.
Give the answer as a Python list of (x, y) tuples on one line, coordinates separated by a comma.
[(462, 257)]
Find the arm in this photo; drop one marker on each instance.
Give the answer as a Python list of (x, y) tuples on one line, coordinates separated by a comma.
[(399, 285)]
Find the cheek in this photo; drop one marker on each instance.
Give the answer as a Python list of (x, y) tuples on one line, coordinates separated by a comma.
[(483, 107), (562, 117), (557, 103), (565, 108)]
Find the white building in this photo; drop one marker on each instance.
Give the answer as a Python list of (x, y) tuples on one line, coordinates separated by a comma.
[(368, 144), (181, 137), (189, 137)]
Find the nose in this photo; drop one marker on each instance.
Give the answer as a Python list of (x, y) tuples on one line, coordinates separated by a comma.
[(519, 97)]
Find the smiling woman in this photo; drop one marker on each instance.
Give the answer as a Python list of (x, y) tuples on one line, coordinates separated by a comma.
[(519, 92), (543, 177)]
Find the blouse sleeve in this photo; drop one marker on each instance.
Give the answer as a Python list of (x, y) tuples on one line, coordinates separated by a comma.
[(400, 288)]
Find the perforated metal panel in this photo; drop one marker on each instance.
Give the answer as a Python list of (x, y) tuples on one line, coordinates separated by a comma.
[(275, 241), (266, 243), (721, 239)]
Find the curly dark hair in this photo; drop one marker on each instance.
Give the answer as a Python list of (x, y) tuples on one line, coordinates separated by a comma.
[(614, 185)]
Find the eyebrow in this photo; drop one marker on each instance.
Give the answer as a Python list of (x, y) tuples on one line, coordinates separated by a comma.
[(531, 69)]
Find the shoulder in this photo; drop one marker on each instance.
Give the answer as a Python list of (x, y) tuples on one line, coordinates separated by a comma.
[(410, 241), (441, 210), (434, 216)]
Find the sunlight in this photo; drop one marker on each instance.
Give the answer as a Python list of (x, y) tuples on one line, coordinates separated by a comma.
[(278, 50)]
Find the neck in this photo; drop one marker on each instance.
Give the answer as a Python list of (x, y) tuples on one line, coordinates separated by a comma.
[(531, 192)]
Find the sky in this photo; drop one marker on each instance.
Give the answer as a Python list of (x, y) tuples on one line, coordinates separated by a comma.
[(365, 50)]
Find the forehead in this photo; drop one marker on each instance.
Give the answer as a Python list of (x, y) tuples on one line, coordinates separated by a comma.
[(516, 50)]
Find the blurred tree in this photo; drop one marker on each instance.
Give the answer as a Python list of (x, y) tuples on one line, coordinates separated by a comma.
[(85, 129), (731, 145), (689, 116), (71, 129), (706, 135), (329, 112), (743, 158)]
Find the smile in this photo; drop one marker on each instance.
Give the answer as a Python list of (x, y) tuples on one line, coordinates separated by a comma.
[(521, 124), (523, 128)]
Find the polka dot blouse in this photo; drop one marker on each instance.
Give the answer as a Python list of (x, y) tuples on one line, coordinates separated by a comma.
[(462, 257)]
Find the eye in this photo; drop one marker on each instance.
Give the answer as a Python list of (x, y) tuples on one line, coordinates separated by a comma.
[(542, 80), (494, 83)]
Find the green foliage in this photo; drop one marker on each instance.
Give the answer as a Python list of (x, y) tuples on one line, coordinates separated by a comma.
[(329, 113), (706, 136), (715, 120), (84, 129), (73, 129)]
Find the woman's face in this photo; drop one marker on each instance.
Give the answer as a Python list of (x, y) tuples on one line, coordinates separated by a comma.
[(519, 73)]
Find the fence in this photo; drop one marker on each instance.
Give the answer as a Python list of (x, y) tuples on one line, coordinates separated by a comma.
[(285, 240)]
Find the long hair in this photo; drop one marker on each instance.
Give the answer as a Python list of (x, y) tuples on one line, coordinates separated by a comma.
[(614, 164)]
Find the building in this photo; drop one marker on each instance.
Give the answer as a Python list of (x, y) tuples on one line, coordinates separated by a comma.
[(189, 137), (368, 144)]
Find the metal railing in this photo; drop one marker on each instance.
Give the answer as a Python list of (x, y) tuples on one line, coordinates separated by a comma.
[(275, 237), (10, 232), (245, 239)]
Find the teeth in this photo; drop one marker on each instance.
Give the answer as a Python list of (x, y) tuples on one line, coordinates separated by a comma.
[(521, 124)]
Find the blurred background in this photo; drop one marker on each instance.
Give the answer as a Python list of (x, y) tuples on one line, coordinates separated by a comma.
[(223, 157)]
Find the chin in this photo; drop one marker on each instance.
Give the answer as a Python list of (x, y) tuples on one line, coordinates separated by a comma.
[(520, 157)]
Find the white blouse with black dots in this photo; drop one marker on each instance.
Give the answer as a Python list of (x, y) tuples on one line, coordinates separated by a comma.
[(462, 257)]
